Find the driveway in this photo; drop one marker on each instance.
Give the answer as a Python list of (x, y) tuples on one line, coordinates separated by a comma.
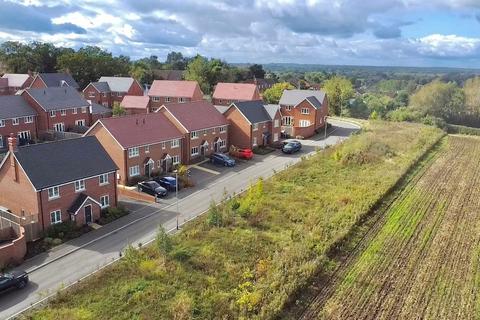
[(79, 258)]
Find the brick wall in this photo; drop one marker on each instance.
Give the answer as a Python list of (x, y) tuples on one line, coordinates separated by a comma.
[(239, 131), (12, 253), (15, 129), (209, 135)]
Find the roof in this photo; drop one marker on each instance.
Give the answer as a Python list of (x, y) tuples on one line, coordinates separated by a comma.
[(99, 109), (135, 102), (197, 115), (16, 79), (78, 203), (3, 82), (14, 106), (294, 97), (235, 91), (58, 98), (222, 109), (141, 129), (118, 84), (254, 111), (168, 88), (272, 110), (57, 79), (169, 74), (54, 163), (101, 86)]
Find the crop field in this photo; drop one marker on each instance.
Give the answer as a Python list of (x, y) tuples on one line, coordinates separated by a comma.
[(421, 260)]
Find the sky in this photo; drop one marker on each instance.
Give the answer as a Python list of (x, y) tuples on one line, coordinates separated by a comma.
[(422, 33)]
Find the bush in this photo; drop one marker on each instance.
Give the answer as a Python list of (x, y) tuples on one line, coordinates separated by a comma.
[(112, 213), (64, 231), (365, 151)]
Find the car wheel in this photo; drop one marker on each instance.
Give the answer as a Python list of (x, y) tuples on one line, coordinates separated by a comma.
[(21, 284)]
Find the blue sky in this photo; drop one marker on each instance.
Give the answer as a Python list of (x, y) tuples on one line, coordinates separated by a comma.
[(366, 32)]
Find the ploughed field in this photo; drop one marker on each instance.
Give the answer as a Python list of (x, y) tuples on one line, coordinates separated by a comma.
[(421, 259)]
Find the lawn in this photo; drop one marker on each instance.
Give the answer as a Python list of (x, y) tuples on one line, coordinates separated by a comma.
[(247, 257)]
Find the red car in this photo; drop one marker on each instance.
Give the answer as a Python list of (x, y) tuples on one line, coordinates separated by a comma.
[(242, 153)]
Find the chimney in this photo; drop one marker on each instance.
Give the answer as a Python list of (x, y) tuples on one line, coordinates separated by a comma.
[(12, 143), (12, 147)]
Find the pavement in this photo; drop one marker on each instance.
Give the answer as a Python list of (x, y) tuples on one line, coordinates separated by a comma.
[(71, 262)]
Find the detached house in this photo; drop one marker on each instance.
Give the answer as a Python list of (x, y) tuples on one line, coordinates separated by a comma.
[(52, 80), (228, 93), (67, 180), (17, 118), (252, 124), (58, 109), (140, 145), (136, 104), (303, 112), (205, 129), (10, 83), (163, 92), (112, 89)]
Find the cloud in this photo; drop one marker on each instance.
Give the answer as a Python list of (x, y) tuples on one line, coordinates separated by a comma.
[(448, 46)]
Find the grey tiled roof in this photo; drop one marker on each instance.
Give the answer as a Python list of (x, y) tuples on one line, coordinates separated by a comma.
[(118, 84), (99, 109), (294, 97), (57, 79), (54, 163), (272, 110), (101, 86), (58, 98), (254, 111), (14, 106)]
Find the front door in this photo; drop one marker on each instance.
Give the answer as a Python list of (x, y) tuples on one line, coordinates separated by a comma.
[(148, 169), (88, 214)]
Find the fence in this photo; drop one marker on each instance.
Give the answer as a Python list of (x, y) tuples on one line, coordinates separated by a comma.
[(60, 135), (33, 230)]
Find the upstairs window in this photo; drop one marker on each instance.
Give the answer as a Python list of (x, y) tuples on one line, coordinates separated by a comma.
[(52, 113), (155, 99), (133, 152), (305, 111), (223, 129), (168, 99), (79, 185), (63, 112), (255, 126), (175, 143), (103, 179), (16, 121), (2, 123), (53, 193), (74, 111), (28, 119), (84, 109), (194, 134)]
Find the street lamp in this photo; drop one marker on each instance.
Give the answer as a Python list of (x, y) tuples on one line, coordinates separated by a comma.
[(176, 193), (325, 123)]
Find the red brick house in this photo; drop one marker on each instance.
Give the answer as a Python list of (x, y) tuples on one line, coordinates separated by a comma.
[(303, 112), (141, 145), (10, 83), (58, 109), (252, 124), (67, 180), (204, 128), (53, 80), (261, 83), (228, 93), (17, 118), (112, 89), (163, 92), (136, 104)]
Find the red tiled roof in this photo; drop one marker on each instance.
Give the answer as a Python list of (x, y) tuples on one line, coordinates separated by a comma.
[(197, 115), (235, 91), (142, 129), (3, 82), (168, 88), (135, 102)]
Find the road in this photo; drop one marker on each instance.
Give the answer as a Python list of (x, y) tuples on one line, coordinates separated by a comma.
[(81, 257)]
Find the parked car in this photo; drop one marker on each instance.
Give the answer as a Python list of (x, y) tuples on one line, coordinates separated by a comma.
[(152, 188), (292, 146), (14, 279), (222, 159), (241, 153), (169, 183)]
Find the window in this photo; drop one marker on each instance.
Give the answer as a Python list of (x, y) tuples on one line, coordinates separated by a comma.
[(304, 123), (182, 100), (59, 127), (159, 163), (63, 112), (103, 179), (288, 108), (255, 126), (105, 104), (222, 143), (104, 94), (133, 152), (194, 134), (15, 121), (305, 111), (79, 185), (275, 137), (147, 149), (164, 145), (104, 201), (155, 99), (28, 119), (74, 111), (24, 135), (175, 143), (84, 109), (287, 121), (276, 123), (91, 94), (223, 129), (134, 171), (254, 141), (53, 193), (80, 123), (194, 151), (175, 160), (55, 217), (2, 123), (168, 99), (52, 113), (205, 132), (1, 142), (119, 94)]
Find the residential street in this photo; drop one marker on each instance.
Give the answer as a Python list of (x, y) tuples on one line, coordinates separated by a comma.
[(79, 258)]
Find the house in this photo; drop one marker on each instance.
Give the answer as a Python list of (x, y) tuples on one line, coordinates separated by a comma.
[(205, 129), (141, 145), (227, 93), (303, 112), (17, 118), (67, 180), (58, 109), (10, 83), (261, 83), (136, 104), (112, 89), (163, 92), (252, 125), (52, 80)]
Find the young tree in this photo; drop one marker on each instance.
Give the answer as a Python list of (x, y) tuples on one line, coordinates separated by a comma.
[(198, 70), (339, 91), (118, 110), (163, 241), (274, 94)]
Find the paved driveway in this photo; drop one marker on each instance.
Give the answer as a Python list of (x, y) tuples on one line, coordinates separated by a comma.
[(79, 258)]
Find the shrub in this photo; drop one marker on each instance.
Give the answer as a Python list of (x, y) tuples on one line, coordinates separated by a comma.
[(182, 254), (112, 213), (163, 241), (64, 231), (214, 217)]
